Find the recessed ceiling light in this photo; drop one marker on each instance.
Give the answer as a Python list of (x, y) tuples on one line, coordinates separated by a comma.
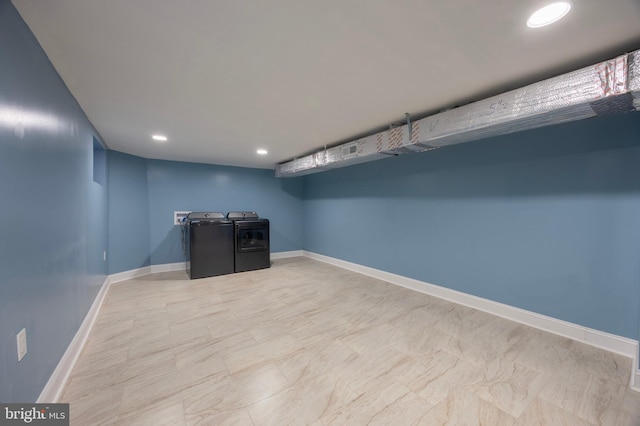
[(262, 152), (549, 14), (159, 138)]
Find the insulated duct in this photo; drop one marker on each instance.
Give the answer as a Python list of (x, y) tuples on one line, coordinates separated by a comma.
[(609, 87), (634, 78)]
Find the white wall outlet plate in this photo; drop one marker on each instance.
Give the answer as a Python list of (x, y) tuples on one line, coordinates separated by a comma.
[(178, 216), (21, 339)]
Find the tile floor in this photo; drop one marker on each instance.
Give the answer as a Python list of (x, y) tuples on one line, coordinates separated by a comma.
[(308, 343)]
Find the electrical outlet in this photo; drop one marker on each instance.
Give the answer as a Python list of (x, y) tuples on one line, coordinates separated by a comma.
[(21, 339), (104, 255)]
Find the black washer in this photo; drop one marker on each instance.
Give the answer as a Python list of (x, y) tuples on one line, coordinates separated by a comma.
[(210, 244)]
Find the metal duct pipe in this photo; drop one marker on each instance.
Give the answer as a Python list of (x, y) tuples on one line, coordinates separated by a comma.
[(634, 78), (609, 87)]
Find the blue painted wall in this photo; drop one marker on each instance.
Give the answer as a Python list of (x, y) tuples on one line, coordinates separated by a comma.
[(546, 220), (145, 193), (54, 226), (201, 187), (128, 212)]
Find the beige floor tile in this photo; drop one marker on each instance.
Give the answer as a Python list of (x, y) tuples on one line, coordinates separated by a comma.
[(151, 323), (420, 341), (112, 333), (184, 332), (434, 376), (266, 330), (591, 398), (86, 384), (95, 359), (375, 403), (626, 415), (99, 408), (509, 386), (407, 410), (629, 412), (210, 303), (226, 418), (386, 373), (315, 330), (373, 368), (541, 413), (195, 361), (168, 413), (461, 320), (150, 366), (600, 363), (227, 327), (150, 345), (308, 343), (252, 355), (464, 408), (481, 348), (317, 360), (304, 402), (362, 340), (234, 392), (145, 391), (281, 346), (228, 344), (544, 352)]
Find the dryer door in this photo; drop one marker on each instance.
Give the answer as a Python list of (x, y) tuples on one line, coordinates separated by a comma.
[(251, 237)]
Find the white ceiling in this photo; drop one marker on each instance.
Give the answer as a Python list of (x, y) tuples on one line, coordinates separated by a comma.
[(222, 78)]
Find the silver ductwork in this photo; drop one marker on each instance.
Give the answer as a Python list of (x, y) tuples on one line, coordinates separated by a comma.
[(609, 87), (634, 78)]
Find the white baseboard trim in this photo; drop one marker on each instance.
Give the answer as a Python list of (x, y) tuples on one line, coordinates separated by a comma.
[(54, 387), (635, 383), (181, 266), (130, 274), (168, 267), (610, 342), (286, 254), (635, 375)]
